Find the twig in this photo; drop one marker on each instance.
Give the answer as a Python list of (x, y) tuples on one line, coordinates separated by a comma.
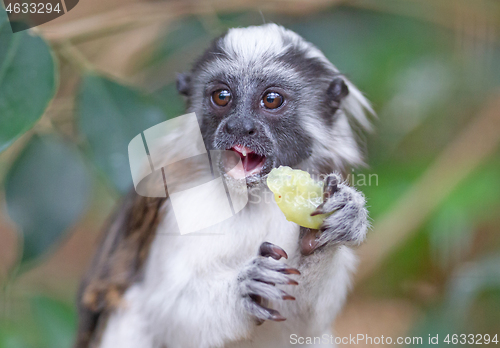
[(73, 56), (136, 15)]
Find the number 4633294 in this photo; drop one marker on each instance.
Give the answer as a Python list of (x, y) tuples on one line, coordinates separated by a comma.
[(32, 8), (471, 339)]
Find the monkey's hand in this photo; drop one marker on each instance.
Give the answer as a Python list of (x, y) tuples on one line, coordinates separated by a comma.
[(347, 222), (257, 282)]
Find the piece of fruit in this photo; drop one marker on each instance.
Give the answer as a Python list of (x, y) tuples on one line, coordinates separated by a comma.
[(297, 195)]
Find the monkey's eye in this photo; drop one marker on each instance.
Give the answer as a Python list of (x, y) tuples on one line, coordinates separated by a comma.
[(221, 97), (272, 100)]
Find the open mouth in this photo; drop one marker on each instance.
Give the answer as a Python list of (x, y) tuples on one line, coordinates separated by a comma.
[(252, 163)]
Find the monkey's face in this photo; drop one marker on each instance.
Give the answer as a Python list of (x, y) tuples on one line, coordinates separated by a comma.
[(266, 104), (255, 116)]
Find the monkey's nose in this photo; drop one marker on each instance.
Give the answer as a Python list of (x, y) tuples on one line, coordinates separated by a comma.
[(241, 127), (249, 127)]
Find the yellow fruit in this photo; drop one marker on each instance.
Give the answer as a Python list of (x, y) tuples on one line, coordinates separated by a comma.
[(297, 195)]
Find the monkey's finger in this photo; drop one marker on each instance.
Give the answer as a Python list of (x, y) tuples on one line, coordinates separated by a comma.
[(270, 270), (274, 315), (287, 296), (265, 281), (331, 186), (335, 203), (267, 291), (271, 250), (322, 209), (345, 195), (263, 302), (265, 313), (257, 306), (319, 210), (290, 271), (309, 241), (273, 278), (337, 231)]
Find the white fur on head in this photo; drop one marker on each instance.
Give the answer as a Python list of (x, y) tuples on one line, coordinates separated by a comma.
[(269, 40), (258, 51)]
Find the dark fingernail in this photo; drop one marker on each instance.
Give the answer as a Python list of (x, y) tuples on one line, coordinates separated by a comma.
[(287, 297), (330, 191), (318, 211), (277, 317), (290, 271), (292, 282), (270, 250)]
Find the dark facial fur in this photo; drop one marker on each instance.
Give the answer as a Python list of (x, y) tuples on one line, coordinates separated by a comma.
[(284, 63)]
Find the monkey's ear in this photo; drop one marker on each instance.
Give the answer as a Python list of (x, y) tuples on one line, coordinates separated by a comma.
[(337, 91), (184, 84)]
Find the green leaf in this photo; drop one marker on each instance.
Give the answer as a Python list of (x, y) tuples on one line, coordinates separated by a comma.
[(110, 116), (46, 190), (466, 285), (185, 31), (176, 105), (27, 81), (463, 290), (56, 320), (373, 47), (450, 235), (10, 335)]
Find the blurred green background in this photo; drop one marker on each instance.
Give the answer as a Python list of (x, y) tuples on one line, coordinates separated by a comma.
[(75, 91)]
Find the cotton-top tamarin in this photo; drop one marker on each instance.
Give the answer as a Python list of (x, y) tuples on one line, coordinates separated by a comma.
[(273, 99)]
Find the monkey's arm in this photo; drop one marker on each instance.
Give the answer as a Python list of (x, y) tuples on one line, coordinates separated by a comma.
[(117, 263), (347, 222)]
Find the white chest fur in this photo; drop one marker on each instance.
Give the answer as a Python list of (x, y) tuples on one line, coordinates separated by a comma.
[(188, 296)]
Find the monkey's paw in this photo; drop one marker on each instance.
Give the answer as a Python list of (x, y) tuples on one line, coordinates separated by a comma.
[(347, 222), (257, 282)]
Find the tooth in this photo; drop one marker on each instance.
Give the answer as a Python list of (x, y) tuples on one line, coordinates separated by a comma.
[(244, 151)]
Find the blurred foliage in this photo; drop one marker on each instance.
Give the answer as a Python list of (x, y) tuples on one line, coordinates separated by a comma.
[(27, 81), (56, 321), (427, 81), (46, 190), (108, 118)]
